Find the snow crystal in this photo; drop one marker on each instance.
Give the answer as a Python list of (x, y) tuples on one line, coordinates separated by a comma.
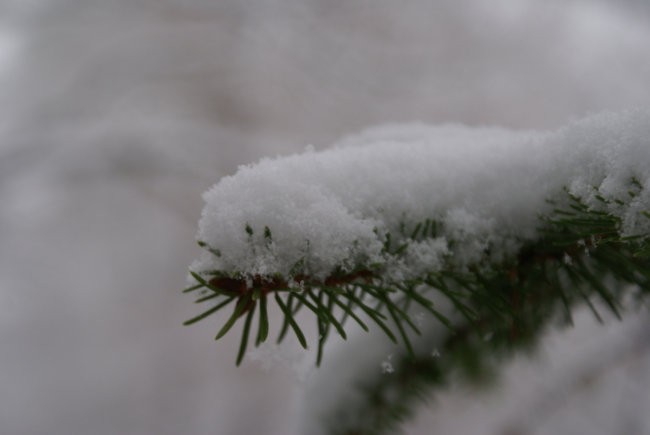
[(485, 189), (387, 365)]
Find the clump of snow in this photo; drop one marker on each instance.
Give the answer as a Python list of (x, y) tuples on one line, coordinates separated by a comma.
[(317, 212)]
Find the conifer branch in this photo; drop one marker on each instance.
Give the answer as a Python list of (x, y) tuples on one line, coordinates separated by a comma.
[(577, 249), (547, 278), (489, 283)]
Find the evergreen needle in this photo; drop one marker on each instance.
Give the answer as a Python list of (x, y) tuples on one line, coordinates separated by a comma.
[(263, 330), (288, 315), (244, 336), (239, 309), (194, 287), (347, 308), (207, 313), (203, 282)]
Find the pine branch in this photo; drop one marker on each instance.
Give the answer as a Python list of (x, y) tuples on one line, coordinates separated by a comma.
[(548, 277), (578, 251), (578, 248), (488, 291)]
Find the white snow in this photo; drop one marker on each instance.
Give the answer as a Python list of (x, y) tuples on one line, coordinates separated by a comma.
[(387, 365), (485, 187)]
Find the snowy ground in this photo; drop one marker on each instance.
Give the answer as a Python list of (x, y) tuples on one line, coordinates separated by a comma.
[(116, 116)]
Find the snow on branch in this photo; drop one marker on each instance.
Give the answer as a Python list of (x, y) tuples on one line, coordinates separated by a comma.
[(359, 230), (317, 212)]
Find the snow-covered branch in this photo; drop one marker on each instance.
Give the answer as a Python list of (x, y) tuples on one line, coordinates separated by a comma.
[(487, 233)]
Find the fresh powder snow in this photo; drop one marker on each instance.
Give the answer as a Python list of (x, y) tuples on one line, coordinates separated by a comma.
[(316, 213)]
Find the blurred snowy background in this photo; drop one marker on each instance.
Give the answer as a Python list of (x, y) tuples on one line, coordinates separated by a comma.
[(116, 115)]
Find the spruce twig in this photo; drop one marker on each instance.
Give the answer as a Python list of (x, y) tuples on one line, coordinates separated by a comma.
[(578, 251)]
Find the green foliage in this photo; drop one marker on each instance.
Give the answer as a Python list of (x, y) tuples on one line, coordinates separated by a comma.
[(578, 250), (580, 255), (506, 308)]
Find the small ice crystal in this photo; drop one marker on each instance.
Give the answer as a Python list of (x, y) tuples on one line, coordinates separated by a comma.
[(387, 366)]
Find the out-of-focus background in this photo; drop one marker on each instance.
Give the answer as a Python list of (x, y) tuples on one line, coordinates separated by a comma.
[(116, 115)]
